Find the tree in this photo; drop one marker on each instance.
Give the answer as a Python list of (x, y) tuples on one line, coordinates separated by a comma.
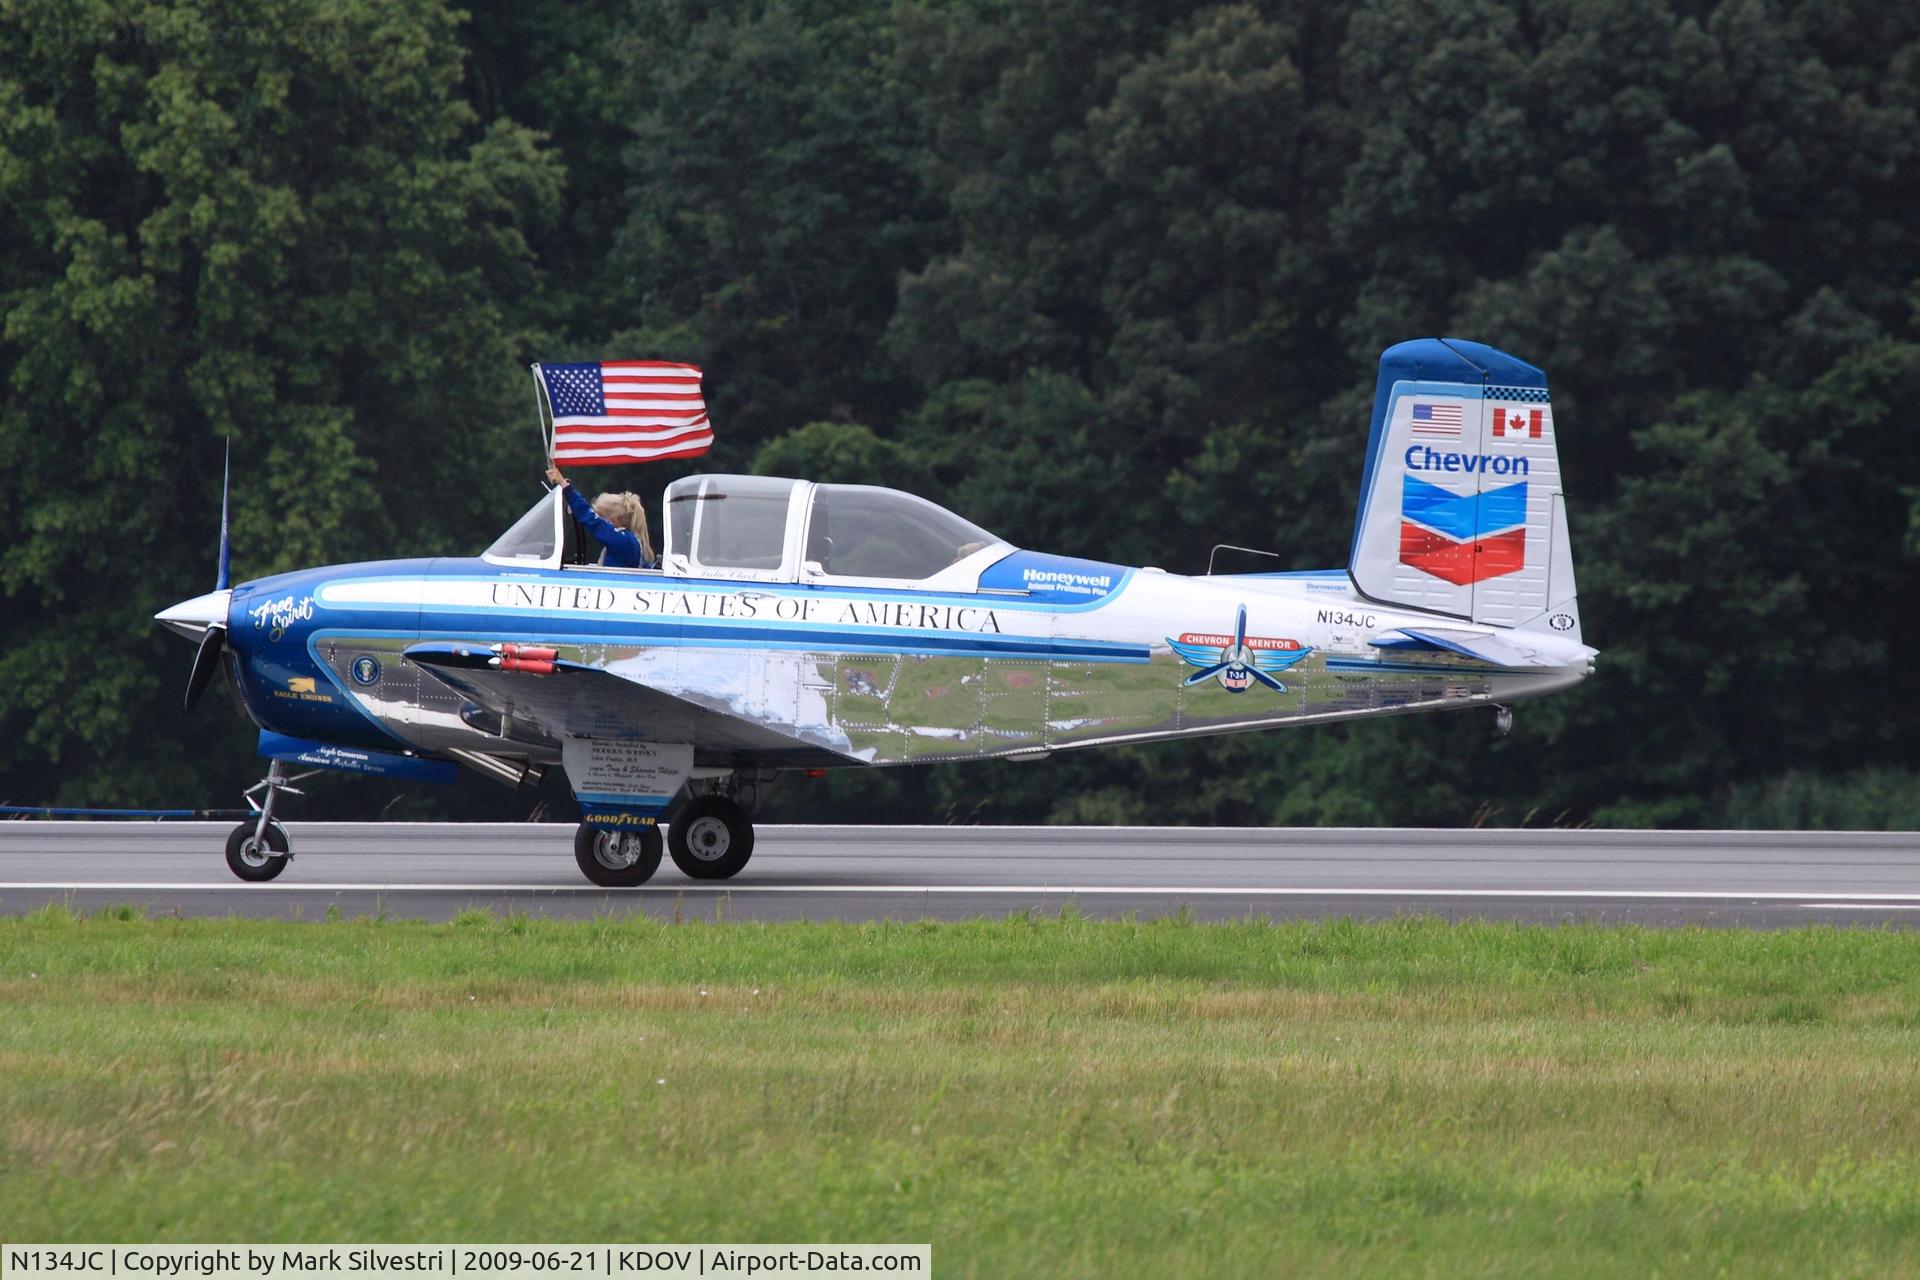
[(284, 227)]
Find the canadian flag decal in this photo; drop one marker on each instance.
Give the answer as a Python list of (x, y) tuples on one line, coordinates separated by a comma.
[(1512, 424)]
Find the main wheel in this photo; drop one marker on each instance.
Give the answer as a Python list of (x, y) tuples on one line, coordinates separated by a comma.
[(617, 859), (262, 860), (711, 838)]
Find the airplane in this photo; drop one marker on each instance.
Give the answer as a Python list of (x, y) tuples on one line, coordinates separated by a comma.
[(794, 626)]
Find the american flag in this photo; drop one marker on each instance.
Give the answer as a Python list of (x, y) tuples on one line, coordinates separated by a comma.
[(1436, 419), (625, 411)]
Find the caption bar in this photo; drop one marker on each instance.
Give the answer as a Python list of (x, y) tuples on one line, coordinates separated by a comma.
[(446, 1261)]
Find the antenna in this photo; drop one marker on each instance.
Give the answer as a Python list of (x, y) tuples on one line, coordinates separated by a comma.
[(542, 412), (1218, 547)]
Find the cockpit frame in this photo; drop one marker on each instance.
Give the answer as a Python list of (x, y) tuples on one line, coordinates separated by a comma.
[(749, 542)]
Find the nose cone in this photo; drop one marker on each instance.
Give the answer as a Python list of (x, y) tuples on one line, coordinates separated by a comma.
[(191, 618)]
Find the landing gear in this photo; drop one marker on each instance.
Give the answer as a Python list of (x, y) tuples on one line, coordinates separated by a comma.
[(258, 849), (711, 838), (617, 859), (255, 854)]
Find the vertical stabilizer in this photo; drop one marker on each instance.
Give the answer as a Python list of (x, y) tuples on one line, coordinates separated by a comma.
[(1461, 510)]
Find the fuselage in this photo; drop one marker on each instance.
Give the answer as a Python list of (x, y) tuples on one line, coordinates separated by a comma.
[(1017, 654)]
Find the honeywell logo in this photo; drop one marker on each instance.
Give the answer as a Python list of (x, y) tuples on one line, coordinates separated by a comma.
[(1065, 581)]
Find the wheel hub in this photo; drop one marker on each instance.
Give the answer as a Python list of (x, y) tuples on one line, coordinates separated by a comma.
[(708, 839), (616, 850), (251, 855)]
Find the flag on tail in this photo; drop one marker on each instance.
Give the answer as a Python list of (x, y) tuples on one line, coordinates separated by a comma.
[(625, 411)]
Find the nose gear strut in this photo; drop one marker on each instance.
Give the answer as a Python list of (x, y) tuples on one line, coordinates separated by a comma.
[(258, 848)]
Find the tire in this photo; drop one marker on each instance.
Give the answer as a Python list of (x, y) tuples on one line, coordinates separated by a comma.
[(711, 838), (251, 863), (617, 859)]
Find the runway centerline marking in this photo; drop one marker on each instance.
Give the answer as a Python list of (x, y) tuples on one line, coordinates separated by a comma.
[(1826, 899)]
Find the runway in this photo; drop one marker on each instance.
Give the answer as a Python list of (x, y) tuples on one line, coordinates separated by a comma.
[(434, 870)]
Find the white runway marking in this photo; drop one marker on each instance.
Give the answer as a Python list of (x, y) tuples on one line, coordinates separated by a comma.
[(1859, 901)]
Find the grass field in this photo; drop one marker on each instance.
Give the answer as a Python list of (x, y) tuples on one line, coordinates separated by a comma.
[(1035, 1097)]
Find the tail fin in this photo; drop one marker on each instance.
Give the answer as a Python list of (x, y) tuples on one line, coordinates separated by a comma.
[(1461, 510)]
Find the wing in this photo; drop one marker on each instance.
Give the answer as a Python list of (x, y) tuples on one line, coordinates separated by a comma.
[(1277, 659), (571, 699), (1198, 655)]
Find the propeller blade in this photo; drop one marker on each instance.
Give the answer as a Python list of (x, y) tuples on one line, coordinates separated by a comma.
[(204, 663), (1266, 680), (1208, 674), (225, 577)]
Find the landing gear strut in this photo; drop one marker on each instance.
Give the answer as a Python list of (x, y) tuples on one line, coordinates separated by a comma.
[(617, 859), (258, 849)]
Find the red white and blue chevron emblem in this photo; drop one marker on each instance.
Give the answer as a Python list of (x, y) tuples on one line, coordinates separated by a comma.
[(1463, 537)]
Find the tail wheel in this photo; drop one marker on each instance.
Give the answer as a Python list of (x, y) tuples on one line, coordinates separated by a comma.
[(252, 859), (617, 859), (711, 838)]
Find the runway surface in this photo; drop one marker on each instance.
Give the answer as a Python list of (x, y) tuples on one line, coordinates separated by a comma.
[(431, 871)]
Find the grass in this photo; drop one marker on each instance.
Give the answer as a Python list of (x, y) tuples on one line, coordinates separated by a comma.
[(1035, 1097)]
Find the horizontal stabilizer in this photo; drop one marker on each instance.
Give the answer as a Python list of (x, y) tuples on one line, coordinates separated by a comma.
[(1512, 650)]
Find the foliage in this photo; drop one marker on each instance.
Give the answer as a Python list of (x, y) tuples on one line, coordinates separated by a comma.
[(1108, 279)]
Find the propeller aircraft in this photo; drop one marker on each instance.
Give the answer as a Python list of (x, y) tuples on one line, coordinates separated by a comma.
[(801, 626)]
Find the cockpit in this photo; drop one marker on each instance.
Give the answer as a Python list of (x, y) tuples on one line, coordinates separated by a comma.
[(770, 529)]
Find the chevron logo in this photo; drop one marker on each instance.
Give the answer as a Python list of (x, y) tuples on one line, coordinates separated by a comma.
[(1463, 537)]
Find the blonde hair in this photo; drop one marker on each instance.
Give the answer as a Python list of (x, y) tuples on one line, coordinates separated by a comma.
[(630, 514)]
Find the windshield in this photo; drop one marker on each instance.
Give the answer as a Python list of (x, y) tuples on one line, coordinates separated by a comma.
[(859, 531), (530, 538)]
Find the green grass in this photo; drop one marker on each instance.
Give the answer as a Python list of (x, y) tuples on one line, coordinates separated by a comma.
[(1035, 1097)]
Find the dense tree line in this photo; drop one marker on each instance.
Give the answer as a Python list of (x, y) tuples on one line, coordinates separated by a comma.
[(1108, 278)]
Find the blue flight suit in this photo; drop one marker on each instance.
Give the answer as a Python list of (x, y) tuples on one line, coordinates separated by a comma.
[(622, 547)]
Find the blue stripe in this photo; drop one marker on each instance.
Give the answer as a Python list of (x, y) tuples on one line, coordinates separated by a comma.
[(472, 570), (695, 636), (1405, 668), (1463, 515)]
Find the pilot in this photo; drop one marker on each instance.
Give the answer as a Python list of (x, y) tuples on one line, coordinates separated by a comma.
[(618, 520)]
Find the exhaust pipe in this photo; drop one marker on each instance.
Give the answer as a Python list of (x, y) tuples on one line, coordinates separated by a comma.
[(519, 774)]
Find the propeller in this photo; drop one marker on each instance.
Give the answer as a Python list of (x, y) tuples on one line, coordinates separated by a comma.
[(204, 663), (214, 640)]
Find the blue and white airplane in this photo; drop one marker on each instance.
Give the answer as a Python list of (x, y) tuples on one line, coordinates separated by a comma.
[(800, 626)]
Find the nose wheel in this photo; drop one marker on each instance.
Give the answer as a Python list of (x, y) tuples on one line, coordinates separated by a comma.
[(255, 853), (258, 848), (711, 838), (617, 859)]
